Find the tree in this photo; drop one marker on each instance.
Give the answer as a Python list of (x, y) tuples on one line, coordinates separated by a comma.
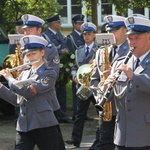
[(12, 10), (121, 6)]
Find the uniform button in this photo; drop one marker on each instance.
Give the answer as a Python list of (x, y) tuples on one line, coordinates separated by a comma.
[(129, 90), (129, 109), (128, 100)]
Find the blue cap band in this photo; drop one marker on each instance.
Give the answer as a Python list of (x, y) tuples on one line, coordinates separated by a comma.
[(88, 29), (26, 46), (32, 23), (139, 28), (119, 23)]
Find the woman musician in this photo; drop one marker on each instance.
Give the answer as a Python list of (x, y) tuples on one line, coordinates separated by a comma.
[(36, 124)]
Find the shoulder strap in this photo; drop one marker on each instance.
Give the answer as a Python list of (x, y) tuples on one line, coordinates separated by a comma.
[(73, 41), (46, 37)]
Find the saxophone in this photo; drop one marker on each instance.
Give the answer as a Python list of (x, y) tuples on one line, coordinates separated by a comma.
[(107, 107), (13, 60)]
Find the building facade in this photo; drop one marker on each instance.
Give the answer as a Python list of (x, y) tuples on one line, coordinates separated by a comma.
[(71, 8)]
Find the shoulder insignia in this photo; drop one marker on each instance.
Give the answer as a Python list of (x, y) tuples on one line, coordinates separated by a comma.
[(49, 45), (56, 60), (80, 47), (45, 81), (147, 61)]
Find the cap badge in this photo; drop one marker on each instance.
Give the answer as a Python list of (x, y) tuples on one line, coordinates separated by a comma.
[(26, 17), (86, 25), (131, 20), (110, 18), (26, 40)]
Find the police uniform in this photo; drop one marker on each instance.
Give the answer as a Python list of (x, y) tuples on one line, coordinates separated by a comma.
[(12, 47), (58, 40), (36, 123), (105, 132), (73, 41), (75, 38), (82, 58), (132, 120), (51, 53), (52, 57)]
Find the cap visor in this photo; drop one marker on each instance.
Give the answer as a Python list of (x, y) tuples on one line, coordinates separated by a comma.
[(30, 50), (113, 28), (135, 32), (26, 26)]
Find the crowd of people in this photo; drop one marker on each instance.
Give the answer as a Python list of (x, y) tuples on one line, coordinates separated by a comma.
[(41, 104)]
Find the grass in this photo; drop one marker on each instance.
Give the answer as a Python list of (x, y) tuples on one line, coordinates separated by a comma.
[(69, 93)]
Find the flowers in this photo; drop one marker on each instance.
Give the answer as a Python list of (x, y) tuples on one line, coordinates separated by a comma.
[(67, 61)]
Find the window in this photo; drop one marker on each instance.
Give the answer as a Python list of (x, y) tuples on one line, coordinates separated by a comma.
[(138, 11), (106, 10), (76, 8)]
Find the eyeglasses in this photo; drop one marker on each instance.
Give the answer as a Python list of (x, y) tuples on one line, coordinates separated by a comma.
[(57, 21)]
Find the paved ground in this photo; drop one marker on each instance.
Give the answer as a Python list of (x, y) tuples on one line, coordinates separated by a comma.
[(86, 143), (7, 131)]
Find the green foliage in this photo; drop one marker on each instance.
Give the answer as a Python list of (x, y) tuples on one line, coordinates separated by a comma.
[(121, 6), (67, 61), (12, 10)]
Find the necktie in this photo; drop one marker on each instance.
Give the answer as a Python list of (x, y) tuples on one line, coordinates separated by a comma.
[(112, 53), (87, 51), (57, 36), (137, 62)]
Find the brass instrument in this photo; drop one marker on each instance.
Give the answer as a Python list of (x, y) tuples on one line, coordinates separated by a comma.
[(107, 107), (13, 60), (105, 39), (84, 78)]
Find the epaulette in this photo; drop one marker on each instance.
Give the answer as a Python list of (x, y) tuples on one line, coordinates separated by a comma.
[(49, 45), (80, 47)]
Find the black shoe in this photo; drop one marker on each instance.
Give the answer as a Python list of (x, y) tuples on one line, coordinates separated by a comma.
[(87, 118), (72, 142), (65, 121)]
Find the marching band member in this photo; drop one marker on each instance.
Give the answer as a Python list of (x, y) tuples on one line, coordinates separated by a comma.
[(115, 24), (36, 123), (84, 55), (132, 126)]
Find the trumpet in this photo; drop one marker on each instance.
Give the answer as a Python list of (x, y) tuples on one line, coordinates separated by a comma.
[(106, 94)]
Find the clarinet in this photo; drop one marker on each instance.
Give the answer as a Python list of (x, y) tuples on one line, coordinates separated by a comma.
[(106, 94)]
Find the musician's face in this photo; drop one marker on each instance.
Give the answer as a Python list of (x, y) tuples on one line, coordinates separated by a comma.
[(33, 31), (140, 43), (35, 55), (77, 26), (120, 35), (89, 37)]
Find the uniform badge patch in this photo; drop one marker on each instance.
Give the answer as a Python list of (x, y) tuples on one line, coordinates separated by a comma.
[(45, 81), (147, 61), (56, 60)]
